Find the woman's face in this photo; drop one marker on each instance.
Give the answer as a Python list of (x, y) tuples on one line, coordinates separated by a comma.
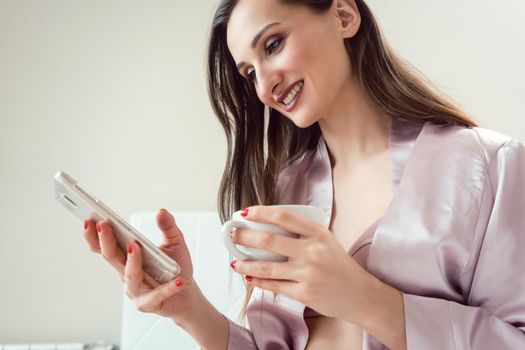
[(298, 62)]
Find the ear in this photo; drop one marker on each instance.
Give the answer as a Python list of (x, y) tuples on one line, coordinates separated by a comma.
[(348, 17)]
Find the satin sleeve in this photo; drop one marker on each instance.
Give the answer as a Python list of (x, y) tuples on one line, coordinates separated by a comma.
[(494, 315), (240, 338)]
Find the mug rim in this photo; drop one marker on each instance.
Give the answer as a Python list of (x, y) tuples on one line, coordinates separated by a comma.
[(290, 206), (310, 210)]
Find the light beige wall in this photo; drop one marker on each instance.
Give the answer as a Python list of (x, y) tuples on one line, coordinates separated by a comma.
[(113, 92), (472, 49)]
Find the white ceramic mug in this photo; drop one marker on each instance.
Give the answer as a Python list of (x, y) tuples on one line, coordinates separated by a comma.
[(248, 253)]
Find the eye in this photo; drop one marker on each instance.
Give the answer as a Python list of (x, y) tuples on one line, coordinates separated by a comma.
[(251, 75), (273, 44)]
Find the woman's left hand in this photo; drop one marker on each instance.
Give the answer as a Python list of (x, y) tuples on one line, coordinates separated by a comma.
[(319, 272)]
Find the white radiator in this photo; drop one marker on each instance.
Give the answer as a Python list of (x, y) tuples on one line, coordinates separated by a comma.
[(59, 346)]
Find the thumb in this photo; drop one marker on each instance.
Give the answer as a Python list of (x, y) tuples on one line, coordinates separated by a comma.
[(166, 223)]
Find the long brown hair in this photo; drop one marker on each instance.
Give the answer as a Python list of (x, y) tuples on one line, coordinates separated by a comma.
[(261, 143)]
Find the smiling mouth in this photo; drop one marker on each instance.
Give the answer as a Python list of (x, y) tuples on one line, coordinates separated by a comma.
[(290, 97)]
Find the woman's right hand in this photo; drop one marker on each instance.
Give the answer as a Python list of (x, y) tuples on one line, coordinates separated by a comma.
[(172, 299)]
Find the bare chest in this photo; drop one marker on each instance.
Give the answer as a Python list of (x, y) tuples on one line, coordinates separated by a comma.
[(359, 200)]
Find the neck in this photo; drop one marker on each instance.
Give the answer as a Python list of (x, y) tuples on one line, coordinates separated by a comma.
[(355, 129)]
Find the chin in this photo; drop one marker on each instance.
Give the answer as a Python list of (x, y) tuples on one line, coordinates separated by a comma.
[(303, 123)]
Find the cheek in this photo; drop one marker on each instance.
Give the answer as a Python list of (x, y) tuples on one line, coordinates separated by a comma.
[(315, 59), (299, 57), (330, 69)]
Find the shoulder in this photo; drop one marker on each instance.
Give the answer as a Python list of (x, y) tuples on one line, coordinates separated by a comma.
[(494, 143), (462, 143)]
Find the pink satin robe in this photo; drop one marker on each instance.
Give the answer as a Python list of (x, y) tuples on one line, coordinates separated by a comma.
[(452, 241)]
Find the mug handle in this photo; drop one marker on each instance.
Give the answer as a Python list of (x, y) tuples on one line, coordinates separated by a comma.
[(227, 239)]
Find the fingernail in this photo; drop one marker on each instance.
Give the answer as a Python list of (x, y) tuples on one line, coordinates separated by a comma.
[(130, 248), (244, 212), (179, 283), (248, 278), (98, 227), (162, 209), (85, 225), (232, 264)]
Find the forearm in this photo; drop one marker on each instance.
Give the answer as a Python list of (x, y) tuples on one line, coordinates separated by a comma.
[(385, 319), (205, 324)]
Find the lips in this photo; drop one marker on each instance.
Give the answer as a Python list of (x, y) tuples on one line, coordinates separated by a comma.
[(289, 89)]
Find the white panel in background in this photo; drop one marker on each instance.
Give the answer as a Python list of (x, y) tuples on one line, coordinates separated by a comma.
[(201, 231)]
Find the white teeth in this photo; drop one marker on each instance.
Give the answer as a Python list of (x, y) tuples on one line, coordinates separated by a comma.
[(289, 98)]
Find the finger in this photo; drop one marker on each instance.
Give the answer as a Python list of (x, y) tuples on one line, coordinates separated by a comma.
[(133, 274), (152, 301), (287, 246), (91, 236), (109, 248), (288, 288), (286, 219), (166, 223), (267, 270)]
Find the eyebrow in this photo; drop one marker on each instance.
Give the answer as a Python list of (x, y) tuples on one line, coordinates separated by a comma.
[(256, 39)]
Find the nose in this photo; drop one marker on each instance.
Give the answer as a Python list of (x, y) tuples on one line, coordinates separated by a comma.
[(268, 84)]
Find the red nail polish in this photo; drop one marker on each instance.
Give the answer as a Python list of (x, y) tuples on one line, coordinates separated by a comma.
[(244, 212), (232, 264), (85, 225), (98, 227), (248, 278), (179, 283), (130, 248)]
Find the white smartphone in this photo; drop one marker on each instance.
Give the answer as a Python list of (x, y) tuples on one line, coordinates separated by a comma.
[(158, 267)]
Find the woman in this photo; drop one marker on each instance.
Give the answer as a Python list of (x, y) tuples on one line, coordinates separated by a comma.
[(421, 248)]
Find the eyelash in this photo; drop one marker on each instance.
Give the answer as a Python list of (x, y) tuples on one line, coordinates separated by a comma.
[(269, 50)]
